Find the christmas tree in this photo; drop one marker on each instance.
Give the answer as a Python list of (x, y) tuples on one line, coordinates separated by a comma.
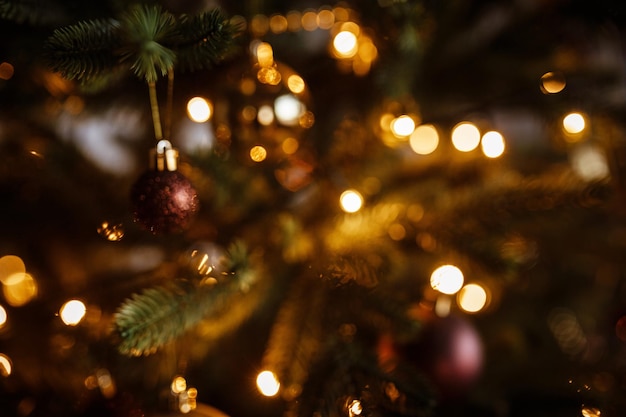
[(391, 208)]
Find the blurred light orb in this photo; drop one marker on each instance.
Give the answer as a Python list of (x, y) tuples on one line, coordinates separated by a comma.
[(472, 298), (552, 82), (290, 145), (3, 316), (355, 408), (288, 109), (199, 109), (345, 44), (574, 123), (590, 412), (447, 279), (424, 139), (465, 137), (258, 153), (72, 312), (6, 367), (265, 115), (351, 201), (11, 265), (590, 163), (179, 384), (19, 289), (296, 84), (111, 232), (492, 144), (267, 383), (620, 329), (402, 126), (6, 71)]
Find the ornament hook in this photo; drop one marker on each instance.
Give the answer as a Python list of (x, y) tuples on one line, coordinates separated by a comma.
[(164, 157)]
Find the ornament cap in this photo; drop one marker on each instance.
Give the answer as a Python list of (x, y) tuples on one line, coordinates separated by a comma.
[(164, 157)]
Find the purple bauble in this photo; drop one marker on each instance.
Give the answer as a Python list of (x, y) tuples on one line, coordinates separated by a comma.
[(163, 201)]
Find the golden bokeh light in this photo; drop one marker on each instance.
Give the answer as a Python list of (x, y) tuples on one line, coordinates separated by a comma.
[(6, 367), (111, 232), (294, 20), (264, 54), (325, 19), (574, 123), (3, 317), (11, 265), (106, 383), (465, 137), (385, 121), (397, 232), (355, 408), (178, 385), (258, 153), (424, 140), (19, 289), (447, 279), (288, 109), (367, 50), (290, 145), (259, 25), (278, 23), (309, 21), (345, 44), (269, 76), (72, 312), (402, 126), (552, 82), (296, 84), (351, 201), (267, 383), (472, 298), (199, 109), (265, 115), (492, 144), (590, 412)]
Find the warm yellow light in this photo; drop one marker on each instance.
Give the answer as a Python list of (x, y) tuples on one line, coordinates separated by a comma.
[(552, 82), (19, 289), (269, 75), (325, 19), (278, 23), (472, 298), (179, 384), (199, 109), (351, 201), (5, 365), (447, 279), (355, 408), (296, 84), (309, 21), (492, 144), (367, 50), (3, 316), (72, 312), (258, 153), (402, 126), (6, 71), (290, 146), (590, 412), (267, 383), (345, 44), (385, 121), (288, 109), (11, 265), (424, 139), (265, 115), (111, 232), (574, 123), (465, 137), (265, 54)]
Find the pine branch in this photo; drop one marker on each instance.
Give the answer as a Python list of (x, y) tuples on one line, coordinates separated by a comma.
[(159, 315), (84, 50), (204, 41)]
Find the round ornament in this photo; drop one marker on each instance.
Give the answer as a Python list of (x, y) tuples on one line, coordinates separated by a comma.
[(164, 200)]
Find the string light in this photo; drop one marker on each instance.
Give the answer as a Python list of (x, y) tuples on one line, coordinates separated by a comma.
[(258, 153), (492, 144), (424, 140), (267, 383), (345, 44), (402, 126), (199, 109), (574, 123), (3, 316), (19, 289), (72, 312), (447, 279), (351, 201), (11, 265), (6, 367), (552, 82), (590, 412), (465, 137), (355, 408), (472, 298), (111, 232)]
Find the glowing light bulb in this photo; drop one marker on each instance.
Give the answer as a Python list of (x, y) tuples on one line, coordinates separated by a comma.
[(179, 384), (355, 408), (465, 137), (296, 84), (552, 82), (199, 109), (574, 123), (265, 115), (72, 312), (6, 367), (402, 126), (19, 289), (492, 144), (424, 139), (590, 412), (345, 44), (288, 109), (351, 201), (11, 265), (472, 298), (447, 279), (267, 383), (3, 317)]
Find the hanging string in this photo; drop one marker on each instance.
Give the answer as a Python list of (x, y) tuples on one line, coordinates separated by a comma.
[(154, 105)]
